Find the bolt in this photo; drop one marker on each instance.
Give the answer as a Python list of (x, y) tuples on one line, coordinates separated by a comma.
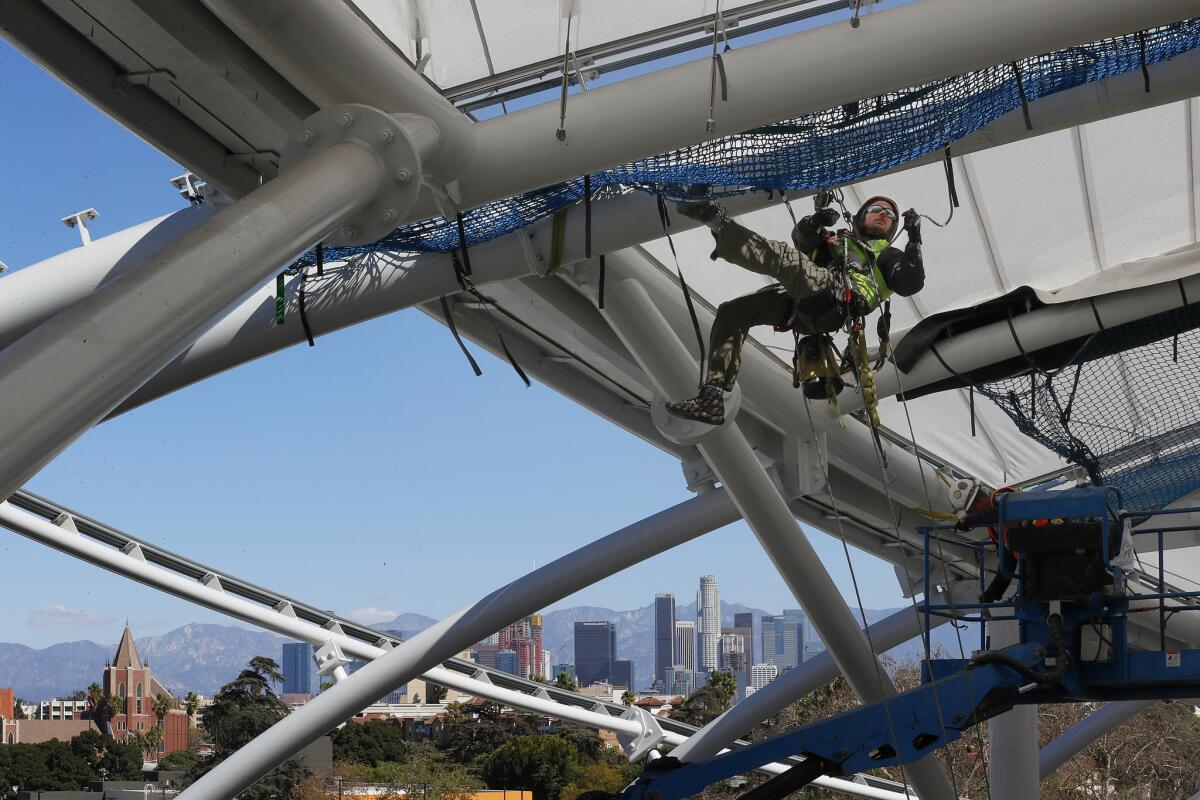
[(345, 119), (403, 175), (347, 232), (386, 135), (387, 215), (304, 137)]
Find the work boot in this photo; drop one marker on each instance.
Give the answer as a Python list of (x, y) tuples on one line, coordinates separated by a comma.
[(707, 407)]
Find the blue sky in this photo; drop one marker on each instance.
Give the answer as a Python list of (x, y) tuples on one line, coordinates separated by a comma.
[(371, 474)]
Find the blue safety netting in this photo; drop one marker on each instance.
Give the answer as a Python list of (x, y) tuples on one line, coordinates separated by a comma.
[(1123, 406), (821, 150)]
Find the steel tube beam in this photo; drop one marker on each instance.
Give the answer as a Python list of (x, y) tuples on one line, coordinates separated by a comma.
[(1086, 731), (543, 586), (1012, 736), (44, 37), (650, 338), (354, 63), (793, 685), (63, 377), (517, 153), (1037, 329)]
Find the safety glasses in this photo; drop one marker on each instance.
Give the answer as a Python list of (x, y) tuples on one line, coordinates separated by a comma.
[(887, 212)]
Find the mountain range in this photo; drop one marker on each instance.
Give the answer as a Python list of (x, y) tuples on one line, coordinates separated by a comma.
[(201, 658)]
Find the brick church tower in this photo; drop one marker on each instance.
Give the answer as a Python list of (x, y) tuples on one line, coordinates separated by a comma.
[(129, 679)]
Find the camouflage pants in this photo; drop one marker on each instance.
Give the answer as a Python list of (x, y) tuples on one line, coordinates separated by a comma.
[(800, 280)]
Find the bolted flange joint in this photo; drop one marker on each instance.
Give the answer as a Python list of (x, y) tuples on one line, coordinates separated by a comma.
[(401, 141)]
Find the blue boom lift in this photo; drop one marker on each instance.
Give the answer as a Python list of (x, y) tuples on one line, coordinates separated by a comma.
[(1072, 605)]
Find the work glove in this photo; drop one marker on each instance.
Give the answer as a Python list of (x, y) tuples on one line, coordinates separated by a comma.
[(826, 217), (912, 226), (704, 211)]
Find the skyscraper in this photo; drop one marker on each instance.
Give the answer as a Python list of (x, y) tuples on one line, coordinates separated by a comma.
[(525, 639), (685, 644), (783, 639), (708, 615), (298, 666), (664, 635), (622, 674), (508, 661), (733, 651), (743, 623), (595, 650)]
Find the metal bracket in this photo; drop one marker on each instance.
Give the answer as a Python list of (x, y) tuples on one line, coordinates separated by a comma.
[(698, 474), (66, 522), (212, 582), (651, 734), (802, 472), (329, 657), (141, 78)]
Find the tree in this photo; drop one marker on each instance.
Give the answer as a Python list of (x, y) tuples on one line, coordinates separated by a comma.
[(701, 708), (724, 685), (19, 708), (190, 703), (162, 706), (180, 760), (107, 757), (369, 744), (424, 772), (539, 678), (241, 710), (540, 763), (565, 680), (435, 693), (628, 698), (103, 707)]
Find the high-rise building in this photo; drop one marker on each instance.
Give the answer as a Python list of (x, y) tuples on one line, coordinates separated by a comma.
[(708, 615), (508, 661), (622, 674), (680, 681), (783, 639), (743, 623), (760, 676), (595, 650), (525, 639), (546, 666), (664, 635), (298, 666), (685, 644), (733, 651)]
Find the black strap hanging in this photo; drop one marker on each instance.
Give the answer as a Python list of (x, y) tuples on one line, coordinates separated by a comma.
[(320, 259), (587, 216), (280, 298), (1021, 93), (462, 244), (1142, 57), (300, 303), (1175, 339), (460, 274), (964, 380), (561, 133), (971, 403), (949, 166), (454, 331), (512, 360), (665, 218), (601, 290)]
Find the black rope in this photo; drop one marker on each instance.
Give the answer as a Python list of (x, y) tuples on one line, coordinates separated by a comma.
[(601, 291), (459, 274), (1021, 92), (508, 354), (665, 218), (561, 133), (961, 378), (454, 330), (462, 244), (587, 216), (320, 259), (1095, 313), (1142, 57), (949, 166), (1071, 397), (300, 302), (971, 403)]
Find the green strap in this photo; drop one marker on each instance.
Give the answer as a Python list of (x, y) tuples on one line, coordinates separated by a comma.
[(280, 300)]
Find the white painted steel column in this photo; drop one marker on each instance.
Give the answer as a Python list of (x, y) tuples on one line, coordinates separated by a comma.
[(556, 580), (517, 152), (1012, 736), (670, 367), (1086, 731), (63, 377), (793, 685)]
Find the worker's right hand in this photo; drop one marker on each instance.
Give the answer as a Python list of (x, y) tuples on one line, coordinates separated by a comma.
[(826, 217), (704, 211)]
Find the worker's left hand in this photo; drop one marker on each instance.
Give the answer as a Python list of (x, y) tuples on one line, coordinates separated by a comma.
[(704, 211), (912, 225)]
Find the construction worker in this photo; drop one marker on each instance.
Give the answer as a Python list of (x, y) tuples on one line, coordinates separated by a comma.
[(810, 295)]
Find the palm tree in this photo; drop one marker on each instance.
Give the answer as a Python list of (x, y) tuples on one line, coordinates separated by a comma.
[(153, 738), (565, 680), (628, 698), (190, 704), (724, 686), (104, 707), (162, 706)]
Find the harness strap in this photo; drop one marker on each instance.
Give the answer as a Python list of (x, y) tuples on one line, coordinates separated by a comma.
[(320, 259), (462, 243), (949, 166), (665, 218)]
